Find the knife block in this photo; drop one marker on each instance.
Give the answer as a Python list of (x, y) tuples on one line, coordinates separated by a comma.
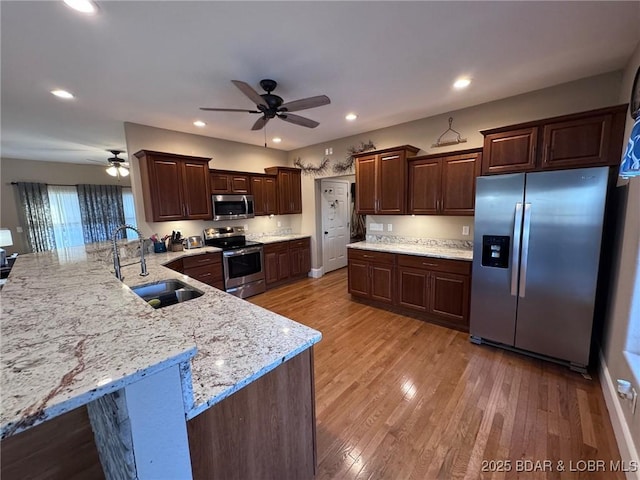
[(176, 247)]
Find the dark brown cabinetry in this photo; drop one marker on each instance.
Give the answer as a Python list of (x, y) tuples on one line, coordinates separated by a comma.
[(175, 187), (285, 261), (229, 182), (443, 185), (438, 287), (381, 179), (264, 191), (205, 267), (372, 275), (289, 189), (585, 139)]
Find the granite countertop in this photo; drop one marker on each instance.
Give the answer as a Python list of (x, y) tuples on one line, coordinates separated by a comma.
[(424, 250), (71, 332), (274, 238)]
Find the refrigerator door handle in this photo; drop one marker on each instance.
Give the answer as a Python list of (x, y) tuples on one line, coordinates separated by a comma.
[(515, 255), (525, 248)]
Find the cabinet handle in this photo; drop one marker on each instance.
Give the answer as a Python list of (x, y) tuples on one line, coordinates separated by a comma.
[(206, 274), (390, 157), (429, 264), (367, 256)]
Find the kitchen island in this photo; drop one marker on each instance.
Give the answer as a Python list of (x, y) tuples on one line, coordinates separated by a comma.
[(215, 369)]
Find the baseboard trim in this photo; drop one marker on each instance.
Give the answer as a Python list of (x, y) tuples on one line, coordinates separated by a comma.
[(628, 452), (316, 272)]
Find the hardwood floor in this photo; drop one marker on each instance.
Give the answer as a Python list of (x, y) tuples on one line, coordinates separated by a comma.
[(398, 398)]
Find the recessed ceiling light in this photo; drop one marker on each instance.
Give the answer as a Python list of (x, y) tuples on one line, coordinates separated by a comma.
[(199, 123), (82, 6), (351, 116), (461, 83), (276, 139), (62, 94)]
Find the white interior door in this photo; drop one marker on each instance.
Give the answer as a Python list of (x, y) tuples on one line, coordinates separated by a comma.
[(335, 223)]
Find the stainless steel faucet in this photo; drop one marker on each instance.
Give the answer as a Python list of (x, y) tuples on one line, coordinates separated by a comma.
[(116, 255)]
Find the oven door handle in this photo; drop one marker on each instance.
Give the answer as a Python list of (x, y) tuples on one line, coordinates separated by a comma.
[(242, 251)]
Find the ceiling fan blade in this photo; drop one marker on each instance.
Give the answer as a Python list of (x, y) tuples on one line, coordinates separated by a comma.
[(250, 92), (260, 123), (305, 103), (228, 110), (298, 120)]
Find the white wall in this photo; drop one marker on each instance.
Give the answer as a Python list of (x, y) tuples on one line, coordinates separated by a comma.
[(224, 154), (12, 170), (586, 94), (621, 326)]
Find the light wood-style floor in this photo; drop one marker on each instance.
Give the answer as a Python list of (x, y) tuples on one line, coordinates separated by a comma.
[(398, 398)]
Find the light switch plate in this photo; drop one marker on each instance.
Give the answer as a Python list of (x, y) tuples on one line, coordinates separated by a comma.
[(465, 230)]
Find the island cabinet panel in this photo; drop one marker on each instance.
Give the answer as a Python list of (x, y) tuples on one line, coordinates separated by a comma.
[(381, 180), (174, 187), (444, 184), (229, 182), (289, 189), (263, 189), (60, 449), (265, 430), (585, 139)]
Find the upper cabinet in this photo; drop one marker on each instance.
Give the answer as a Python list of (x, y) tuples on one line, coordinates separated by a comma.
[(175, 187), (263, 189), (229, 182), (585, 139), (381, 179), (443, 184), (289, 189)]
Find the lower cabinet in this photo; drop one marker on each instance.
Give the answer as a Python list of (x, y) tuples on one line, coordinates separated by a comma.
[(435, 289), (286, 261), (371, 275), (205, 267)]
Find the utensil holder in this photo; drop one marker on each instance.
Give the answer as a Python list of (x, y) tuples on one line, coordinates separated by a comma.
[(159, 247), (176, 247)]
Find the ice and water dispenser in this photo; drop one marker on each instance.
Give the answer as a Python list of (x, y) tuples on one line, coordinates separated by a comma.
[(495, 251)]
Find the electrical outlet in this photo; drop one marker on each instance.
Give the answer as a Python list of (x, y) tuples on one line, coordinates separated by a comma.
[(389, 227), (465, 230), (19, 229), (279, 224), (376, 227)]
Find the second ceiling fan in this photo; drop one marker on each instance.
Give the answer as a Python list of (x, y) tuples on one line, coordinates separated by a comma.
[(271, 106)]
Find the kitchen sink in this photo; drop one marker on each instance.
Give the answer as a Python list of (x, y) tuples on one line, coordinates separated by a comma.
[(166, 292)]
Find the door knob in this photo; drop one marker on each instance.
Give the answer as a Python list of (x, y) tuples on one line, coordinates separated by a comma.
[(326, 233)]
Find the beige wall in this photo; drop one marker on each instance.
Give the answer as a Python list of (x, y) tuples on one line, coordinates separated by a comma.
[(623, 329), (224, 155), (578, 96), (12, 170)]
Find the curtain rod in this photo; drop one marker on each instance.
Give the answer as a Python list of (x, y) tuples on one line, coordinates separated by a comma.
[(74, 185)]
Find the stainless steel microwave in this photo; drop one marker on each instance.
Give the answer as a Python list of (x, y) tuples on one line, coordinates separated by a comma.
[(231, 207)]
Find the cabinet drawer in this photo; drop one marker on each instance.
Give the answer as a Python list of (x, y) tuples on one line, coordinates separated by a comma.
[(276, 247), (206, 274), (200, 260), (371, 256), (303, 243), (438, 264)]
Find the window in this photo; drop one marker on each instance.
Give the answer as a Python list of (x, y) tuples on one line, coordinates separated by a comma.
[(67, 220), (65, 216)]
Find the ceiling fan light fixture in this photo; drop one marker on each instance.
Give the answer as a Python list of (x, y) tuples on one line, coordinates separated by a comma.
[(462, 83), (123, 171), (112, 170), (62, 94), (82, 6)]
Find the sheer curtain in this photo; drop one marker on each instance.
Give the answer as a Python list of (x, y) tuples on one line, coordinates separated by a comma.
[(34, 200), (102, 211), (129, 212), (65, 215)]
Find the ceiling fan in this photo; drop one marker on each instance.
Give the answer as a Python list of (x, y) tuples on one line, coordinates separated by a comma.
[(271, 106), (117, 166)]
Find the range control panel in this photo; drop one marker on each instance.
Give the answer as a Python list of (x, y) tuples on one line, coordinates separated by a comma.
[(495, 251)]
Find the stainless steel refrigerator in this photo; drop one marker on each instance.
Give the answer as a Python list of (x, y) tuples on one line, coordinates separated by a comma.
[(537, 239)]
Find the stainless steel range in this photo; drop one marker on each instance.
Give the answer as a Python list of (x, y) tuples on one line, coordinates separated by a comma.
[(242, 260)]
